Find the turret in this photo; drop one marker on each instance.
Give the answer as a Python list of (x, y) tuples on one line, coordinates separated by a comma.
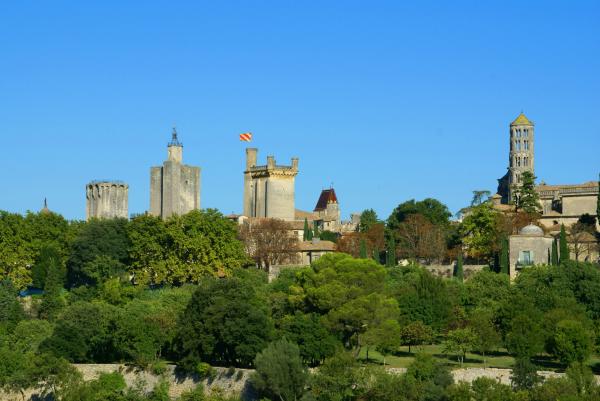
[(175, 148)]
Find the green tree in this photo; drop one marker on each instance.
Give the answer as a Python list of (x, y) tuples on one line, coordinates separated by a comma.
[(29, 334), (458, 268), (487, 338), (279, 371), (526, 337), (433, 210), (563, 245), (187, 248), (554, 257), (571, 342), (504, 261), (368, 218), (226, 323), (11, 310), (459, 342), (16, 253), (316, 232), (14, 371), (524, 374), (527, 199), (84, 333), (481, 230), (385, 338), (336, 379), (350, 292), (415, 334), (106, 238), (313, 339)]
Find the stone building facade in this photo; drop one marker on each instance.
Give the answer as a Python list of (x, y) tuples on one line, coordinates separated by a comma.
[(269, 190), (174, 186), (560, 204), (564, 204), (529, 247), (106, 200)]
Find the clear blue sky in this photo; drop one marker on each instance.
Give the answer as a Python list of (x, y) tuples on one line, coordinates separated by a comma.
[(387, 100)]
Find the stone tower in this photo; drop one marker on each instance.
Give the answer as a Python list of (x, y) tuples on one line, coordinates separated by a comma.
[(174, 187), (521, 156), (269, 190), (106, 200)]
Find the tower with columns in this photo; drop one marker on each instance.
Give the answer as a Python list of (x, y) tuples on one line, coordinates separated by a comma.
[(520, 157)]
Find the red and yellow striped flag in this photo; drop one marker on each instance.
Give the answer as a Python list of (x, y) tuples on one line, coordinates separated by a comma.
[(246, 136)]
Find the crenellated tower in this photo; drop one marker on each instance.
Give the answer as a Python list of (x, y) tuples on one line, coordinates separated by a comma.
[(269, 190)]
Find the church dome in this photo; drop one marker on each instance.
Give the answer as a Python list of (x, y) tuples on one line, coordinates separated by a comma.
[(531, 230)]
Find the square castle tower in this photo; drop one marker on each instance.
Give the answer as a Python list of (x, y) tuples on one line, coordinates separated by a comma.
[(269, 190)]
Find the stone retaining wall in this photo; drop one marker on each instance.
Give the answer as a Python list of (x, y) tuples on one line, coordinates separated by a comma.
[(236, 381)]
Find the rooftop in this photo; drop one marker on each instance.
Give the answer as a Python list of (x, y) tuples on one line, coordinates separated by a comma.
[(521, 120), (327, 196)]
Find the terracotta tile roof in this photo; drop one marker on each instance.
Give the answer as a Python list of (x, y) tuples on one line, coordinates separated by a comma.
[(327, 196), (546, 187), (317, 246), (302, 214)]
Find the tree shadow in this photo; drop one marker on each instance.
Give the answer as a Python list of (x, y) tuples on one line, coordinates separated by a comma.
[(547, 362)]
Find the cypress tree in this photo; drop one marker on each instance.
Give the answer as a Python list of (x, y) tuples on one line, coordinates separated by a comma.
[(598, 202), (390, 255), (549, 258), (458, 269), (309, 235), (316, 230), (363, 249), (563, 246), (554, 253), (305, 236), (504, 256)]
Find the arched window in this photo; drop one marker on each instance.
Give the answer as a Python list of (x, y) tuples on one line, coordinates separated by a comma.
[(526, 132), (518, 145), (518, 162), (526, 161), (526, 144)]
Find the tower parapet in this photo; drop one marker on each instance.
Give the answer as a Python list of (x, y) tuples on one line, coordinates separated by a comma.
[(269, 190)]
